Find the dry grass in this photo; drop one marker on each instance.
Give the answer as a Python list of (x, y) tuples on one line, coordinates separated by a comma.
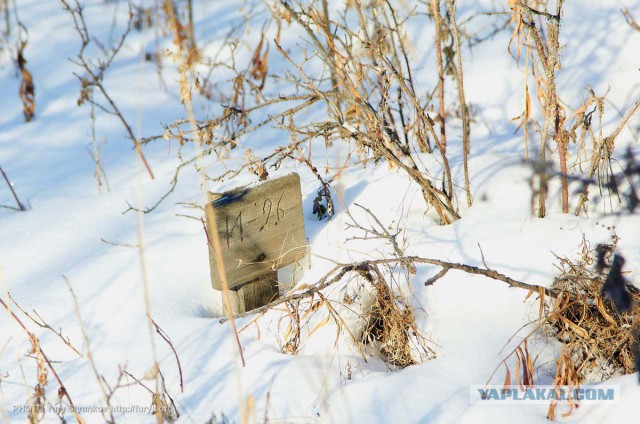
[(566, 376), (600, 340), (372, 104), (536, 35), (366, 311), (390, 326)]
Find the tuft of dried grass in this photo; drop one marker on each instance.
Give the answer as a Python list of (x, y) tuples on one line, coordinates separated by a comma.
[(566, 375), (375, 318), (391, 327), (599, 338), (388, 326)]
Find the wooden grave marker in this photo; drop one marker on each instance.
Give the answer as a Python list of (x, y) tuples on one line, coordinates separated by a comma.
[(260, 229)]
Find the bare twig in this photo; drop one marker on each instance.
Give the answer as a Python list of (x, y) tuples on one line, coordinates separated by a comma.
[(436, 277), (62, 391), (632, 22), (99, 378), (603, 150), (383, 232), (340, 270), (437, 19), (482, 255), (166, 339), (119, 244), (612, 138), (43, 324), (96, 75), (21, 206)]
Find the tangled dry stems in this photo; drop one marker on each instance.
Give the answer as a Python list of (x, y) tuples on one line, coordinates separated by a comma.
[(601, 341), (598, 341), (391, 327), (384, 326)]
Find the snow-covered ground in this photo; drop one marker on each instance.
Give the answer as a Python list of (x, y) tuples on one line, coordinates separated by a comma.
[(64, 236)]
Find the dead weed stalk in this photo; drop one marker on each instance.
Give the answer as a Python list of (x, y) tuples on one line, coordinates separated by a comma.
[(375, 318), (38, 398), (365, 87), (20, 206), (588, 317), (592, 310), (93, 75), (537, 33)]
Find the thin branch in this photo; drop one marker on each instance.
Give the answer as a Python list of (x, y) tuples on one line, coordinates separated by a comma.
[(482, 255), (21, 206), (164, 335), (630, 20), (119, 244), (611, 139), (384, 234), (96, 77), (341, 270), (62, 391), (540, 12), (101, 381), (436, 277), (43, 324)]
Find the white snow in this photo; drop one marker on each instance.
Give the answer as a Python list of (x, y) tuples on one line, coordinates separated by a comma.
[(468, 319)]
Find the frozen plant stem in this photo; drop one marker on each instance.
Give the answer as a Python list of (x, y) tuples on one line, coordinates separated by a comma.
[(87, 345), (21, 206), (96, 76), (464, 109), (165, 337), (62, 391), (341, 269), (42, 324), (225, 285), (437, 18), (548, 56), (604, 149)]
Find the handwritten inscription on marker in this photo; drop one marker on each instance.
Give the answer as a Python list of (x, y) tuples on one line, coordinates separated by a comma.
[(260, 229)]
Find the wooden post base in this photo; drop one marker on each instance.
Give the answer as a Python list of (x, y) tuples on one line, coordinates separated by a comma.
[(254, 293)]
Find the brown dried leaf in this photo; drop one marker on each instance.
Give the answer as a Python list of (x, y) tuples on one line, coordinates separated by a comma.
[(259, 62), (152, 373), (27, 87), (529, 364), (61, 393), (576, 328), (603, 311), (526, 380), (518, 380), (320, 325), (582, 109), (551, 416), (352, 112), (507, 379)]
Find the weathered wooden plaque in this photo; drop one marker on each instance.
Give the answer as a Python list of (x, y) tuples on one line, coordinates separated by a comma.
[(260, 229)]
